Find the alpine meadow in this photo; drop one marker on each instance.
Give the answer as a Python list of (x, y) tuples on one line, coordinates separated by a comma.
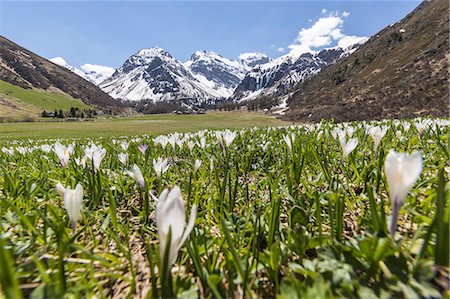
[(310, 159)]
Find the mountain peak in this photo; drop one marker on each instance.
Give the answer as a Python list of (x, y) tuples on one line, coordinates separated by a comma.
[(152, 52)]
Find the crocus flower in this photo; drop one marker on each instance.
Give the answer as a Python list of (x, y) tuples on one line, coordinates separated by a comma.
[(136, 174), (202, 142), (123, 158), (402, 171), (377, 133), (63, 153), (225, 138), (60, 189), (197, 165), (143, 148), (97, 157), (73, 201), (350, 145), (421, 127), (289, 139), (160, 166), (170, 216)]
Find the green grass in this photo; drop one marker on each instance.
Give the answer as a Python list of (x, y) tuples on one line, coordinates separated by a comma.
[(149, 124), (41, 99), (280, 214)]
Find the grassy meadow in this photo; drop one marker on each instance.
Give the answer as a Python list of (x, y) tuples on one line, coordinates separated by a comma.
[(147, 124), (309, 211)]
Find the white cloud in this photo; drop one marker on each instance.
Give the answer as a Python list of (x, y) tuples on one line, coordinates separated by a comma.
[(324, 11), (280, 49), (327, 31), (104, 70)]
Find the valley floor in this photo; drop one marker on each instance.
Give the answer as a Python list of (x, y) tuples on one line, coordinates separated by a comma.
[(138, 125)]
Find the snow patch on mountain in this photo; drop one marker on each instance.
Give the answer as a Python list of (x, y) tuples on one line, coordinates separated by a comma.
[(90, 72), (218, 74), (97, 73)]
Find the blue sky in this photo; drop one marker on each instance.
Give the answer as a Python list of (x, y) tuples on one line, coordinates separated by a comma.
[(107, 33)]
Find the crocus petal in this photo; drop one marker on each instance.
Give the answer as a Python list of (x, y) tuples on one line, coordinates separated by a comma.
[(60, 189), (190, 225), (350, 146)]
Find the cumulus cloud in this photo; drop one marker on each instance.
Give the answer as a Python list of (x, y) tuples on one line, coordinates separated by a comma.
[(326, 31), (324, 11), (101, 69), (280, 49)]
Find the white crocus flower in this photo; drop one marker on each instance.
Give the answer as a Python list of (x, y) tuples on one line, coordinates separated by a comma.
[(202, 142), (60, 189), (73, 201), (228, 137), (406, 126), (349, 146), (402, 171), (46, 148), (123, 158), (160, 166), (197, 165), (377, 133), (190, 145), (63, 153), (136, 174), (421, 127), (225, 138), (97, 157), (289, 140), (170, 216)]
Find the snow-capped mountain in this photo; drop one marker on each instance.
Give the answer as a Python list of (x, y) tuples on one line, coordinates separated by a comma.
[(90, 72), (97, 73), (219, 74), (253, 59), (153, 74), (278, 75)]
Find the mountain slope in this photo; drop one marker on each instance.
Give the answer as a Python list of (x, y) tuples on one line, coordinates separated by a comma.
[(278, 75), (400, 72), (154, 75), (17, 103), (25, 69)]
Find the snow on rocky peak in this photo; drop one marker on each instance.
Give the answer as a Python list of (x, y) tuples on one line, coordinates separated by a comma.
[(218, 74), (97, 73), (90, 72), (278, 75), (252, 59), (153, 74)]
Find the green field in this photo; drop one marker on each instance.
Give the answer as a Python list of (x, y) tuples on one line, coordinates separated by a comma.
[(17, 101), (325, 210), (149, 124)]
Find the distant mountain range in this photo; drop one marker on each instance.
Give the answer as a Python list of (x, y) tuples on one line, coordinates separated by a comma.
[(154, 75), (402, 71)]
